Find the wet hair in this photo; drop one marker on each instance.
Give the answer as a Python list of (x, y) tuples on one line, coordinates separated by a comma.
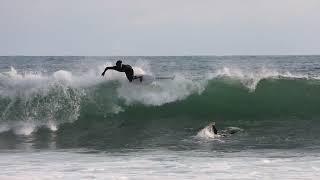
[(118, 63)]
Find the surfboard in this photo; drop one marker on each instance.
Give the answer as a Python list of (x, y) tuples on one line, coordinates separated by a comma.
[(165, 77), (148, 79)]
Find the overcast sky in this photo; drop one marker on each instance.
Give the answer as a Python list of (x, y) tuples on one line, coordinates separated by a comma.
[(159, 27)]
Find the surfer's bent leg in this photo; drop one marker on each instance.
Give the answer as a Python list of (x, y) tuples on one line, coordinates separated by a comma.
[(138, 77), (129, 75), (215, 131)]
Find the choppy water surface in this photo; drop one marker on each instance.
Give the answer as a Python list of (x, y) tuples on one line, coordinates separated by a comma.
[(53, 109)]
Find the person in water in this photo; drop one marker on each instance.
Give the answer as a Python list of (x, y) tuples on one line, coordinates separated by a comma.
[(213, 127), (123, 68), (225, 132)]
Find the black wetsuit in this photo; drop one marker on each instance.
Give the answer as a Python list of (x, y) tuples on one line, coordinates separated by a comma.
[(215, 131), (126, 69)]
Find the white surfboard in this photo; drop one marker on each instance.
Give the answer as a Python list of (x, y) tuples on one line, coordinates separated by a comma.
[(148, 79)]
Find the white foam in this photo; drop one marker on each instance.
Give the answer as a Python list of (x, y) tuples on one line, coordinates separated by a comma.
[(4, 128), (23, 91), (14, 84), (160, 165), (52, 125), (207, 133), (62, 76), (25, 129)]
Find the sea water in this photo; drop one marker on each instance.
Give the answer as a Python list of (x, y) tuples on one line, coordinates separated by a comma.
[(60, 119)]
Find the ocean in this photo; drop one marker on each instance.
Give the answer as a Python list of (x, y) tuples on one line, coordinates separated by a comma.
[(60, 119)]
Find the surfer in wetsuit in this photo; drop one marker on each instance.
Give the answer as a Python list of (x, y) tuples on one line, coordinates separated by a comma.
[(123, 68), (226, 131), (214, 129)]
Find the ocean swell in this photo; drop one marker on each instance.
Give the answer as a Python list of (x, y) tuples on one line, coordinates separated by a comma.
[(32, 100)]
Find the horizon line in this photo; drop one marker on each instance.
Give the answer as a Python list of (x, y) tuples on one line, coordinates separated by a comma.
[(159, 55)]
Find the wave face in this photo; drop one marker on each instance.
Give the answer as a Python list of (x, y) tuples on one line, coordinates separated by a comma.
[(90, 111)]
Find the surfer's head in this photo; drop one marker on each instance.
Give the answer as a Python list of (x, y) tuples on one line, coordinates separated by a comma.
[(118, 63)]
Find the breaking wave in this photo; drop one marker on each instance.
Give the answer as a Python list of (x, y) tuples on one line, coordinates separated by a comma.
[(31, 100)]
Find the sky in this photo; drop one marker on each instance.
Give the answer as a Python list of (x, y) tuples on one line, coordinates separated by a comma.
[(159, 27)]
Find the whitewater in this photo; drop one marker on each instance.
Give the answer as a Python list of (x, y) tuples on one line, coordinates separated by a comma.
[(59, 118)]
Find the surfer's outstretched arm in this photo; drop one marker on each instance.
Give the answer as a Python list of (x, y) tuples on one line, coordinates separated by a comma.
[(111, 67)]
